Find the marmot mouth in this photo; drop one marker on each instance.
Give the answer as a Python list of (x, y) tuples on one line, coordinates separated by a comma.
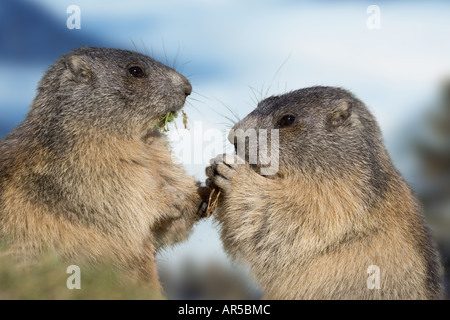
[(165, 120), (169, 117), (255, 166)]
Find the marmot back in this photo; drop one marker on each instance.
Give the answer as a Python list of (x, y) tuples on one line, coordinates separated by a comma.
[(88, 173), (335, 211)]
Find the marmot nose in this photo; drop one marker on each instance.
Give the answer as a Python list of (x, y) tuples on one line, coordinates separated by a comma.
[(181, 83), (187, 88)]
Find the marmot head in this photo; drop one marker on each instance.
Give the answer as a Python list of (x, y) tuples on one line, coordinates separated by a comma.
[(320, 129), (111, 89)]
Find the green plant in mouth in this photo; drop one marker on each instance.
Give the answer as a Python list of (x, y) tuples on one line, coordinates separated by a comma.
[(163, 123), (184, 119)]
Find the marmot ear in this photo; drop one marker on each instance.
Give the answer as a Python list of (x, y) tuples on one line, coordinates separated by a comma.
[(340, 114), (79, 69)]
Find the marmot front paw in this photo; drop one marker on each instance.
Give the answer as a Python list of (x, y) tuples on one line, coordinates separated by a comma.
[(222, 170)]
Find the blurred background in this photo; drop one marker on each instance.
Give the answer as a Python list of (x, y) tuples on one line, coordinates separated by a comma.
[(236, 53)]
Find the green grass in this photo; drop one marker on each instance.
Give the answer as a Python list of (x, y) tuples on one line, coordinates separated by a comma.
[(163, 124), (47, 280), (169, 117)]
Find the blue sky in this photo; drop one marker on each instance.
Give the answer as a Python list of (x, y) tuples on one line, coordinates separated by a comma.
[(226, 48), (230, 45)]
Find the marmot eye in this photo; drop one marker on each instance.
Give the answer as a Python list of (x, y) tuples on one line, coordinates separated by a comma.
[(286, 121), (136, 71)]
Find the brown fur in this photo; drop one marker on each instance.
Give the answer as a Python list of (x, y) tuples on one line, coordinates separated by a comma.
[(312, 230), (88, 191)]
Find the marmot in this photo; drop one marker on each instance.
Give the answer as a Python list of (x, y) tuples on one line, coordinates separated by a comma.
[(334, 213), (88, 174)]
